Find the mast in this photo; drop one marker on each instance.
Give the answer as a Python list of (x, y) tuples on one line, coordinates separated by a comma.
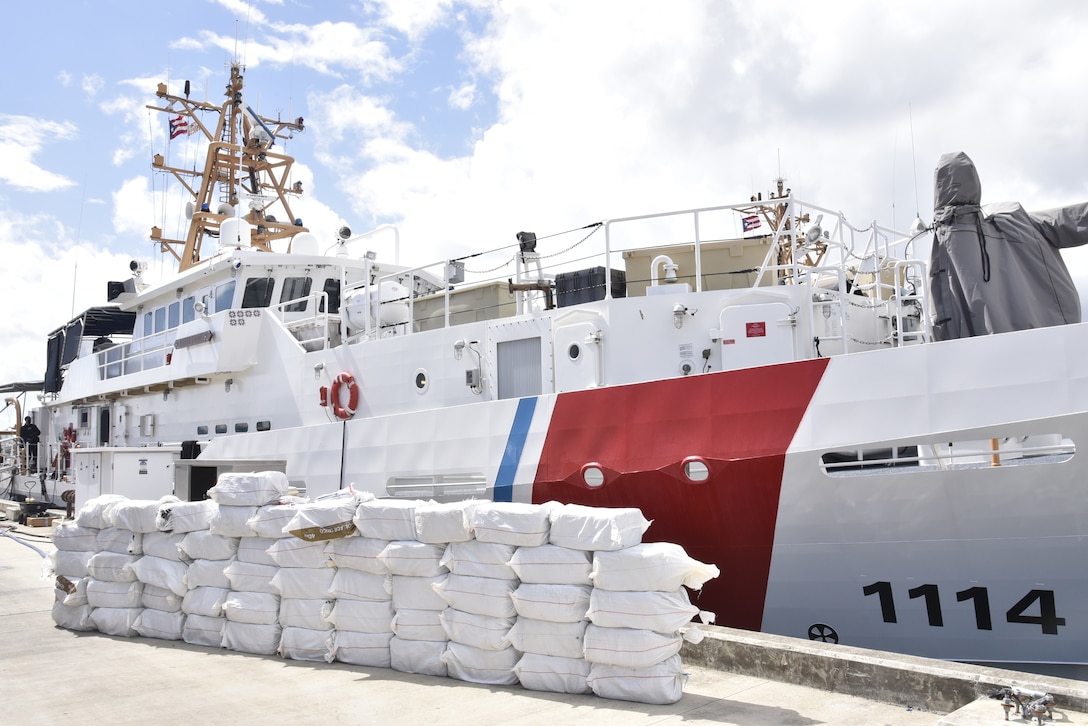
[(241, 171)]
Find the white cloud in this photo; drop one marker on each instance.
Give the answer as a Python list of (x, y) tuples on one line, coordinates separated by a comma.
[(462, 97), (92, 84), (21, 138), (52, 276)]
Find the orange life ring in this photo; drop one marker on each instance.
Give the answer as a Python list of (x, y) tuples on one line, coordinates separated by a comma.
[(344, 412)]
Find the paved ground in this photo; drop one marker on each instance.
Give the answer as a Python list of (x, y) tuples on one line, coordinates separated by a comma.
[(49, 676)]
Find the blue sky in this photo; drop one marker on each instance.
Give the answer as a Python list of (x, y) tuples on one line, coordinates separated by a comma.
[(466, 121)]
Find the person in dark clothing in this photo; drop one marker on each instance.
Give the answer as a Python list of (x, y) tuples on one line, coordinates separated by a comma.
[(30, 435)]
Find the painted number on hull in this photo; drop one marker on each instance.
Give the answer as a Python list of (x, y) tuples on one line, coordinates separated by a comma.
[(1047, 617)]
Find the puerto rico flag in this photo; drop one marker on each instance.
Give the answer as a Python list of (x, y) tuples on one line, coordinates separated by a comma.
[(749, 223), (178, 126)]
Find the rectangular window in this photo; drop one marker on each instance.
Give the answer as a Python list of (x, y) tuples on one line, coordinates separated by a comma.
[(160, 320), (173, 315), (258, 292), (332, 289), (224, 296), (188, 314), (148, 324), (293, 289)]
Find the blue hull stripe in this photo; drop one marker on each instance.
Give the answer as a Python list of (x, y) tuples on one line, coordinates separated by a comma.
[(515, 444)]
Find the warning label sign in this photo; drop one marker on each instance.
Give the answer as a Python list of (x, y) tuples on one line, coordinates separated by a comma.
[(756, 330)]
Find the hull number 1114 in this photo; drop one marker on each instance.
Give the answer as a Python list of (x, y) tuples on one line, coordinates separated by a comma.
[(1039, 602)]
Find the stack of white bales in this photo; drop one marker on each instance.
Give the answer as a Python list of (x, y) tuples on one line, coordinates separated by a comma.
[(480, 611), (557, 597), (412, 570)]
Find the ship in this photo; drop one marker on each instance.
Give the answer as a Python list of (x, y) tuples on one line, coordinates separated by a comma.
[(787, 394)]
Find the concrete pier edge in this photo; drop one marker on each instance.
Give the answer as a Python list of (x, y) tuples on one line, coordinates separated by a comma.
[(923, 683)]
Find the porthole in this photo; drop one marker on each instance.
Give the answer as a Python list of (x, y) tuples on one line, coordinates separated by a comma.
[(696, 470), (241, 427), (574, 352), (201, 430), (592, 475), (264, 425), (421, 380), (220, 428)]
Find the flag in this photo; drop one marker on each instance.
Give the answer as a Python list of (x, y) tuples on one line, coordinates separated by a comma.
[(178, 126), (750, 222)]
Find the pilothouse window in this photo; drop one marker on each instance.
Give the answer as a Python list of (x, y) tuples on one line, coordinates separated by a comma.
[(293, 289), (224, 296), (258, 292), (990, 453)]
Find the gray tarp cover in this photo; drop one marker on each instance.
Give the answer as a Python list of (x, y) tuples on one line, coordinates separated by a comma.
[(998, 268)]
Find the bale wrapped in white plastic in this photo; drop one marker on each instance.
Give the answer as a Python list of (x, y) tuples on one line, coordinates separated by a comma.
[(68, 563), (544, 637), (166, 545), (552, 564), (411, 624), (249, 577), (362, 649), (389, 519), (330, 517), (203, 545), (480, 559), (159, 624), (663, 612), (167, 574), (414, 559), (231, 521), (627, 647), (71, 592), (362, 616), (203, 630), (207, 573), (475, 665), (116, 621), (596, 528), (555, 603), (140, 515), (359, 585), (245, 489), (70, 537), (550, 673), (269, 520), (514, 523), (254, 638), (112, 566), (254, 550), (206, 601), (417, 593), (295, 552), (423, 657), (259, 608), (76, 617), (444, 523), (479, 631), (358, 553), (305, 644), (303, 582), (480, 595), (98, 512), (160, 598), (661, 566), (116, 539), (182, 517), (662, 683), (312, 614)]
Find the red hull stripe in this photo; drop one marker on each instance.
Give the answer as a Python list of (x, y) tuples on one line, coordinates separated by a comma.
[(739, 423)]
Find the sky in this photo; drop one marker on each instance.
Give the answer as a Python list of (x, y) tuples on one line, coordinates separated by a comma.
[(463, 122)]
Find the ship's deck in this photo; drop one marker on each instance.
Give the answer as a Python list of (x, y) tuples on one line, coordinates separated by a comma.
[(49, 675)]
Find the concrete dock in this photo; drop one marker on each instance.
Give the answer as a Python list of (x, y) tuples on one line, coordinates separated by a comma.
[(49, 675)]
